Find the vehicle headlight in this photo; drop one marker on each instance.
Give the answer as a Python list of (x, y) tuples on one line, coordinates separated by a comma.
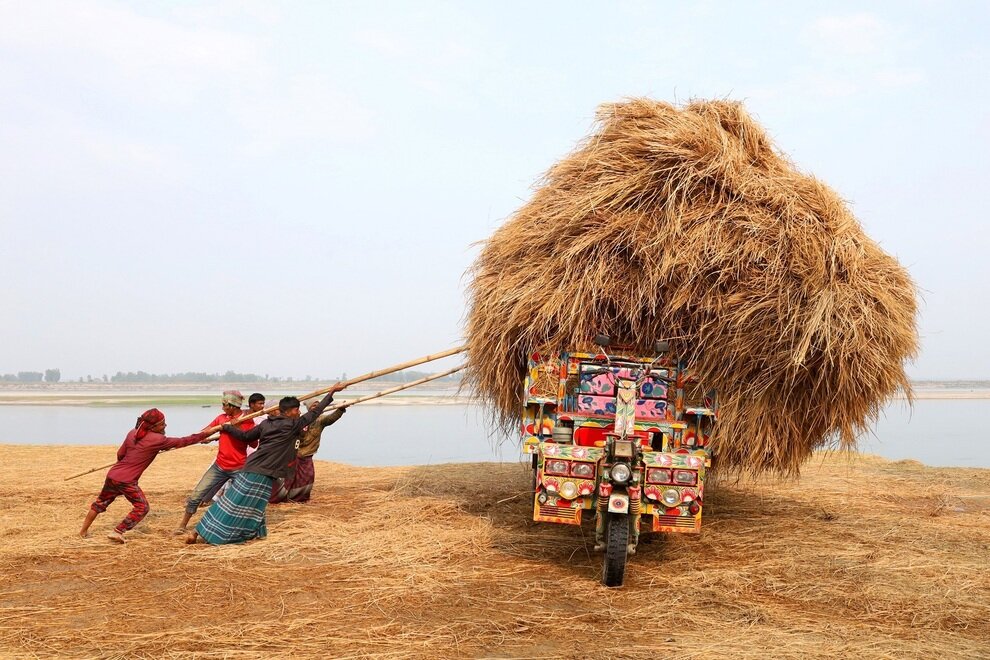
[(569, 490), (685, 477), (620, 473), (555, 466), (671, 497), (583, 470), (658, 476)]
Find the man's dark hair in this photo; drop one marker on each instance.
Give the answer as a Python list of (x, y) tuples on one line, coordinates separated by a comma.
[(257, 396), (287, 403)]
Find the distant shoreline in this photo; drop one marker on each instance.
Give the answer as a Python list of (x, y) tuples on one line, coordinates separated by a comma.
[(948, 393), (205, 401), (211, 397)]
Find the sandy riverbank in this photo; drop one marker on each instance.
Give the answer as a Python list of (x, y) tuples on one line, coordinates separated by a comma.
[(950, 394), (859, 558)]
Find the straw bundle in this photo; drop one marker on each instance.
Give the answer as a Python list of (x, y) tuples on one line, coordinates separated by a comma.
[(687, 223)]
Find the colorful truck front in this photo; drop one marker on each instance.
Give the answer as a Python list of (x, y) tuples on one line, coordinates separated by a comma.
[(579, 405)]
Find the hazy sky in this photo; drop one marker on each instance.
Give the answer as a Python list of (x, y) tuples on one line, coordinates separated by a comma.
[(295, 188)]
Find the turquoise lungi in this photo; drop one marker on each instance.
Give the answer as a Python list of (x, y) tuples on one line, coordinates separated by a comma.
[(239, 514)]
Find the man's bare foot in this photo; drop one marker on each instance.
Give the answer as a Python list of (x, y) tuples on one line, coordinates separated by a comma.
[(192, 537), (116, 537), (84, 535)]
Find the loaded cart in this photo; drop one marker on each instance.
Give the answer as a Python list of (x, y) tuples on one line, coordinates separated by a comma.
[(611, 437)]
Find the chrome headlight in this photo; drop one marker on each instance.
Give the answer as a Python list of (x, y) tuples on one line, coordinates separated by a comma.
[(620, 473), (569, 490), (658, 476), (583, 470), (671, 497)]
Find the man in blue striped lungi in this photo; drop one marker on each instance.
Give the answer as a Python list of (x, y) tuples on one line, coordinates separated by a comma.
[(239, 515)]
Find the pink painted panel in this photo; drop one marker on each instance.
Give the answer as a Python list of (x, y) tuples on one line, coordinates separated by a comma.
[(596, 405), (651, 409), (605, 405), (604, 384)]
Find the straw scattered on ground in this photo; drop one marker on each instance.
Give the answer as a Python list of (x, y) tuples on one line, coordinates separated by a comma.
[(860, 558), (686, 223)]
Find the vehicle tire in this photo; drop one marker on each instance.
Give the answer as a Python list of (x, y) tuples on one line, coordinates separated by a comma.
[(616, 549), (533, 484)]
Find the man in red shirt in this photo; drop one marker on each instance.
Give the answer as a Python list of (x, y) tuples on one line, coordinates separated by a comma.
[(231, 455)]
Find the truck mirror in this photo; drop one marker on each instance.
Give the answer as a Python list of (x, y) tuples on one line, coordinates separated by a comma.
[(603, 340)]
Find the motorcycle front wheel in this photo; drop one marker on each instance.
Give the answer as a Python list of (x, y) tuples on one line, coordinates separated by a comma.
[(616, 549)]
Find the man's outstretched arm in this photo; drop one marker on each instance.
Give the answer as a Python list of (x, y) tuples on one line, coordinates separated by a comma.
[(327, 420), (317, 410), (245, 436)]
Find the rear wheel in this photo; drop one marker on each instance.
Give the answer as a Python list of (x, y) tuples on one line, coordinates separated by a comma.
[(532, 487), (616, 549)]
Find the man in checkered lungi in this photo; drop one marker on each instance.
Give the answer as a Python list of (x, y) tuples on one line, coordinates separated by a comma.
[(239, 515)]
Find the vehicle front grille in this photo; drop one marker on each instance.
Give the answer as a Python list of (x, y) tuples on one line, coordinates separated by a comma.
[(686, 522), (550, 513)]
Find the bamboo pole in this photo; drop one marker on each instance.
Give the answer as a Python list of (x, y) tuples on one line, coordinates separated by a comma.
[(316, 393), (393, 390), (96, 469), (352, 381)]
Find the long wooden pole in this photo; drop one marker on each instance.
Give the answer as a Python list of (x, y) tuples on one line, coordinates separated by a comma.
[(346, 383), (393, 390), (96, 469), (352, 381)]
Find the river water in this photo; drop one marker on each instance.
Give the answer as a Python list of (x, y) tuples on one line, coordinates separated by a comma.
[(935, 432)]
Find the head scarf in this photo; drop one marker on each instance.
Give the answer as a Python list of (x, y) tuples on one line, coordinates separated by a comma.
[(232, 397), (148, 420)]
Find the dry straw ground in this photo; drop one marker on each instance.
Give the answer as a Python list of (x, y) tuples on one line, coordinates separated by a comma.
[(686, 223), (860, 558)]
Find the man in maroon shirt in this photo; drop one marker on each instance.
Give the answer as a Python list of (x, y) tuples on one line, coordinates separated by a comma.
[(231, 455), (139, 449)]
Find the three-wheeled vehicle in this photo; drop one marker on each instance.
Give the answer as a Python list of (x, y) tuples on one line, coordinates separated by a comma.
[(610, 434)]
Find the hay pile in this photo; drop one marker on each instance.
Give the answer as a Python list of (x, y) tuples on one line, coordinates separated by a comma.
[(865, 559), (686, 223)]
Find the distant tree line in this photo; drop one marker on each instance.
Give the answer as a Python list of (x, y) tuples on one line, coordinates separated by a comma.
[(188, 377), (55, 375), (48, 376)]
